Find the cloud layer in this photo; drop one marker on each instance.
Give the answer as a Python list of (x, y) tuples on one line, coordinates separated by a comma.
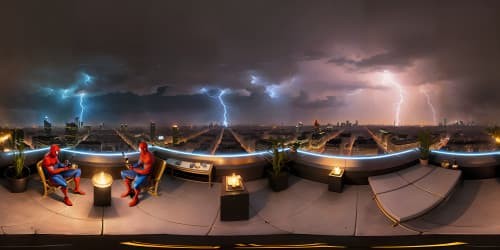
[(313, 60)]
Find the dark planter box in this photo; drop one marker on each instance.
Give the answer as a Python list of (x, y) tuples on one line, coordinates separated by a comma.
[(17, 185), (234, 205), (278, 182)]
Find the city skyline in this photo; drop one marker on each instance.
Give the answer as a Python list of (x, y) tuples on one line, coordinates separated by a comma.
[(381, 62)]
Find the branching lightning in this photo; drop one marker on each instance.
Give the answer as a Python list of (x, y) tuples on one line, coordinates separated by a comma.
[(75, 90), (223, 105), (222, 92), (82, 95), (431, 106), (388, 78)]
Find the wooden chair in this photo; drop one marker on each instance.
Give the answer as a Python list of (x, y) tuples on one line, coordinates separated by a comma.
[(154, 181), (48, 186)]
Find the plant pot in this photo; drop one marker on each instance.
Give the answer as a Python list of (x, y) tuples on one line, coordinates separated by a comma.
[(17, 185), (278, 182), (424, 162)]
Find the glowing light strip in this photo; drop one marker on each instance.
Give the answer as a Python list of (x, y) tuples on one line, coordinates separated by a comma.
[(98, 154), (450, 244), (260, 153), (214, 156), (465, 153), (153, 245), (30, 151), (358, 157)]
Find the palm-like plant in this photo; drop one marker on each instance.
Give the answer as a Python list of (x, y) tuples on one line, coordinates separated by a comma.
[(19, 158), (424, 138), (279, 156)]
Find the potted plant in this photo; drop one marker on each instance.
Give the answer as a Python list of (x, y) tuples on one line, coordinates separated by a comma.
[(277, 176), (425, 143), (17, 174)]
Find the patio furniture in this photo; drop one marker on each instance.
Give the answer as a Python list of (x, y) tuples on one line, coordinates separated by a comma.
[(48, 186), (412, 192)]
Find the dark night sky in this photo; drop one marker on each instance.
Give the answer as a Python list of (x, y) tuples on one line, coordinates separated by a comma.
[(309, 60)]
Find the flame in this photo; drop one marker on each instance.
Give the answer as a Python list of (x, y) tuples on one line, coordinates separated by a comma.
[(233, 180), (102, 180), (337, 170)]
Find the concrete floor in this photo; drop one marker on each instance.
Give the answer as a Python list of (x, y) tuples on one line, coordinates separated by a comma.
[(192, 208)]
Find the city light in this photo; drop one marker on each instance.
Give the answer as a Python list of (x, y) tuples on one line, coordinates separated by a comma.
[(4, 138)]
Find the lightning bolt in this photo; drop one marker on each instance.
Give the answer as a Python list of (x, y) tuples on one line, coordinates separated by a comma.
[(388, 77), (254, 79), (82, 95), (223, 105), (431, 106), (222, 92), (87, 78)]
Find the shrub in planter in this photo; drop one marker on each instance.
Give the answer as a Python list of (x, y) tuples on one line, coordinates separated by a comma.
[(277, 176), (17, 174), (425, 143)]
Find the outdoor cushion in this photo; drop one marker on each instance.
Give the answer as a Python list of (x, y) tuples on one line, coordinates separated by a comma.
[(415, 173), (440, 182), (387, 182), (407, 203)]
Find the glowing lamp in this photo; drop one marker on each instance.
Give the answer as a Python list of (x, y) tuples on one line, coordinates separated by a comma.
[(337, 171), (234, 181), (497, 139), (102, 180), (335, 179), (102, 189)]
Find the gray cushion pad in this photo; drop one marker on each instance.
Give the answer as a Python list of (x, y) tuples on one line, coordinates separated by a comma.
[(440, 182), (415, 173), (412, 192), (387, 182), (408, 202)]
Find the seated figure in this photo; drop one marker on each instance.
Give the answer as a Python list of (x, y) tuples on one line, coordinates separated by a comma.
[(137, 175), (57, 173)]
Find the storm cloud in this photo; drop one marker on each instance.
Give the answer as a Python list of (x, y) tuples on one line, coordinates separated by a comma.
[(316, 60)]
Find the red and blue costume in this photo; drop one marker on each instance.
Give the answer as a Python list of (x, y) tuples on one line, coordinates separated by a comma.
[(137, 175), (57, 173)]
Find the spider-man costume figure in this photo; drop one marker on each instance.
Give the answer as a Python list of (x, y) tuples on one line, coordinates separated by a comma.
[(57, 173), (137, 175)]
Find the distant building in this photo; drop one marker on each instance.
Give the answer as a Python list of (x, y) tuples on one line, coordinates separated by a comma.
[(299, 128), (152, 131), (175, 134), (123, 127), (47, 126), (88, 129), (71, 133), (42, 141), (316, 126)]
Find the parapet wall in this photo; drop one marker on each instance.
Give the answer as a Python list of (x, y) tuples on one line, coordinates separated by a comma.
[(304, 164)]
